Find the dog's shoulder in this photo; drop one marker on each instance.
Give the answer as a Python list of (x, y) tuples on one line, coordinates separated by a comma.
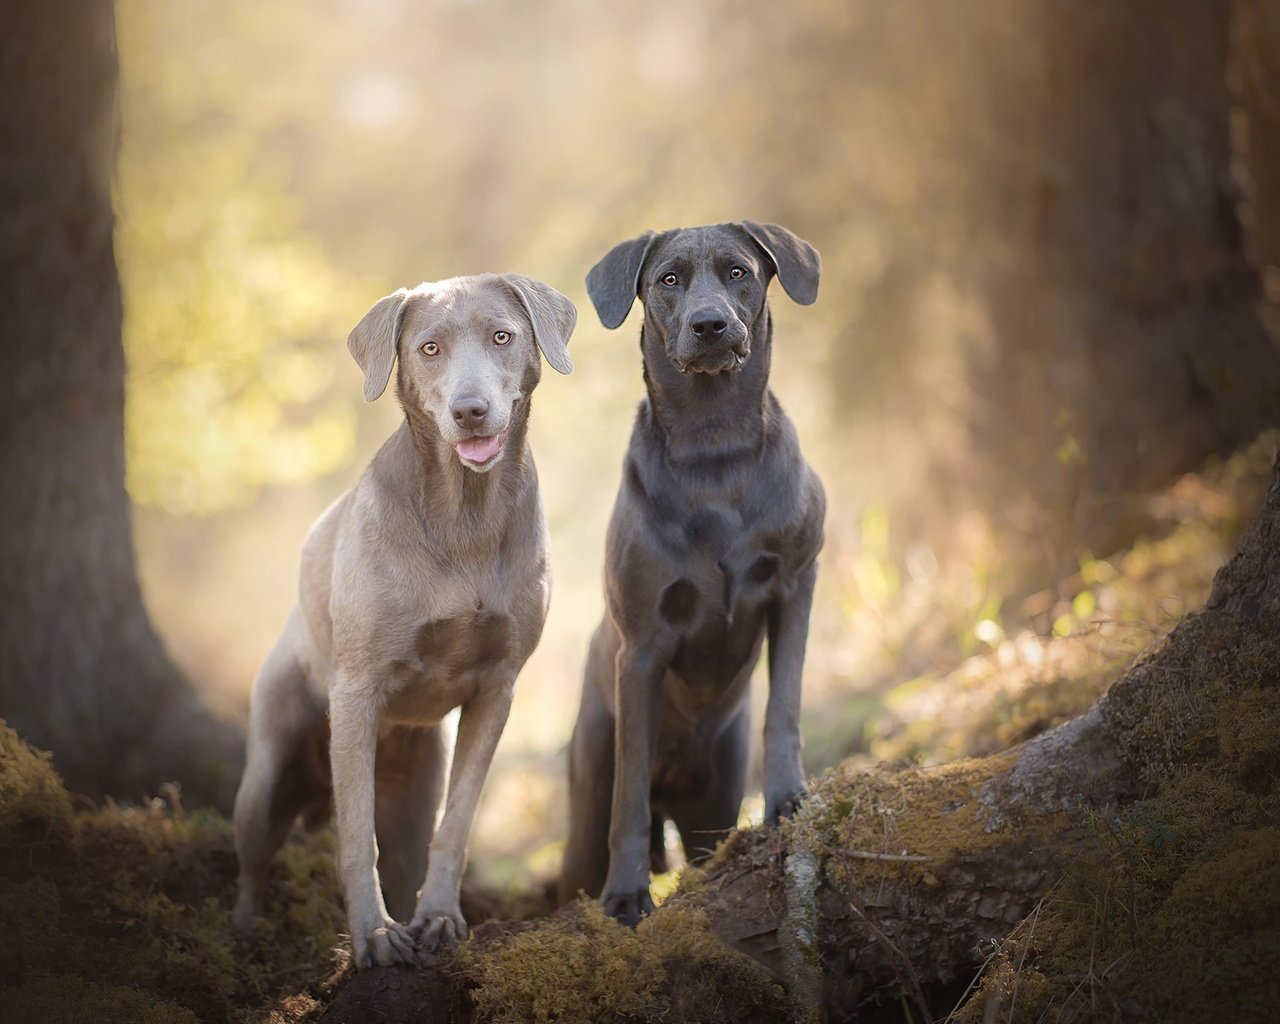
[(316, 564)]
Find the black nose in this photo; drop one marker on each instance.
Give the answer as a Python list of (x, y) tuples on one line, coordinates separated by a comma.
[(707, 323), (469, 412)]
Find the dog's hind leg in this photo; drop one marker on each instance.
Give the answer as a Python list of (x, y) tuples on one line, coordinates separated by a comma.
[(707, 818), (287, 770), (586, 851), (409, 777), (659, 862)]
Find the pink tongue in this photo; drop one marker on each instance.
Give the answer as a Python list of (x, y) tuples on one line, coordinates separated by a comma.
[(479, 449)]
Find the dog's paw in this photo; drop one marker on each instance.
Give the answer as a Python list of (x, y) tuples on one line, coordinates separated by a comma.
[(628, 907), (385, 946), (242, 920), (783, 806), (438, 929)]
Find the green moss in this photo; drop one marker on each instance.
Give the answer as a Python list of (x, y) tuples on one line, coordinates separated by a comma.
[(1218, 933), (141, 896), (864, 823), (30, 789), (1176, 913), (584, 966), (27, 908), (69, 999)]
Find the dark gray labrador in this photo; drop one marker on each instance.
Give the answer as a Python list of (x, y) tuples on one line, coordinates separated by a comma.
[(713, 541)]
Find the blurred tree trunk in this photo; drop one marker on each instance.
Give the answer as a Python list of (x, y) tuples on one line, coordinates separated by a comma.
[(1128, 344), (1255, 81), (82, 672)]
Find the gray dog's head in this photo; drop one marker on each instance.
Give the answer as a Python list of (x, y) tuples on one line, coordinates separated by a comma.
[(703, 288), (468, 353)]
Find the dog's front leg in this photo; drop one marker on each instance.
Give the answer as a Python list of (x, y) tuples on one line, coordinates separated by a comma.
[(353, 726), (438, 918), (784, 783), (638, 702)]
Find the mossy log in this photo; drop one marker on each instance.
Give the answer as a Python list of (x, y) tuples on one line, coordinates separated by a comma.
[(917, 869), (891, 887)]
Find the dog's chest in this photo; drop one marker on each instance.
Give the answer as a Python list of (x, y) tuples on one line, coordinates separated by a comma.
[(718, 611), (454, 654), (716, 641), (467, 642)]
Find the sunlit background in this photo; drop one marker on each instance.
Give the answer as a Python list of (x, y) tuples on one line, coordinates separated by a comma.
[(285, 164)]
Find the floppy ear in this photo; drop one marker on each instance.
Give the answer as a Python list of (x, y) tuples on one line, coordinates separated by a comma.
[(797, 262), (614, 282), (553, 317), (373, 342)]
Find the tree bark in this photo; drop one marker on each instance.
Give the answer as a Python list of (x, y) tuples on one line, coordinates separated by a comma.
[(1255, 88), (1128, 345), (82, 672)]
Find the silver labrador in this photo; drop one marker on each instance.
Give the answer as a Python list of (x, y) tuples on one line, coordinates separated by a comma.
[(423, 589)]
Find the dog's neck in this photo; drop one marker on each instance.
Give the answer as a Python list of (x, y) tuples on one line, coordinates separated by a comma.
[(722, 415), (460, 509)]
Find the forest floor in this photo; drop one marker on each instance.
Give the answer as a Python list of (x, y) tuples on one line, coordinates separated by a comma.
[(122, 912)]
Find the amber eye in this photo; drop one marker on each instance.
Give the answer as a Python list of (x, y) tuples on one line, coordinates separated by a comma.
[(737, 272), (670, 280), (431, 348), (501, 337)]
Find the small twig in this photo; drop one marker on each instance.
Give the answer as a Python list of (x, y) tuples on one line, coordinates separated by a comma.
[(1106, 971), (998, 946), (727, 880), (296, 968), (908, 979), (1026, 945), (900, 857), (899, 962), (973, 982)]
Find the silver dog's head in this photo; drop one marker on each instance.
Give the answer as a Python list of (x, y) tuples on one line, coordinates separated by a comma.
[(468, 354), (703, 288)]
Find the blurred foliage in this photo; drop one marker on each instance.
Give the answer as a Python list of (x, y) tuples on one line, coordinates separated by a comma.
[(231, 314), (998, 676)]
